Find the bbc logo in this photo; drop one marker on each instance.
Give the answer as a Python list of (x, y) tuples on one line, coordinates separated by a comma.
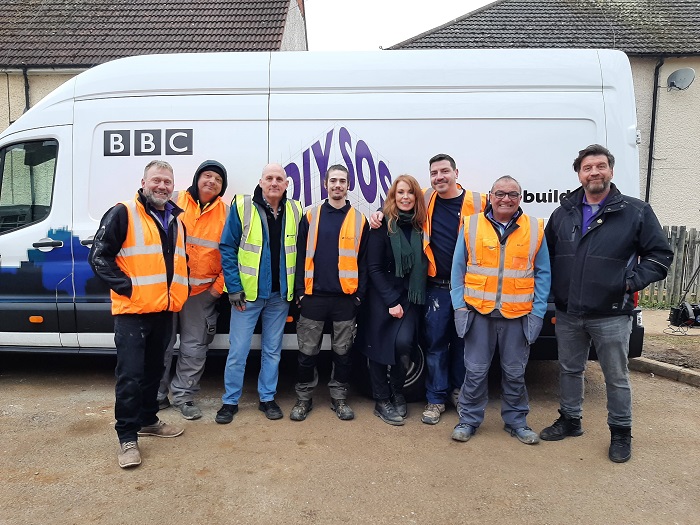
[(150, 142)]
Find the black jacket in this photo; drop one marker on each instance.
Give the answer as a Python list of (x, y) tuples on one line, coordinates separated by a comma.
[(624, 251), (109, 239)]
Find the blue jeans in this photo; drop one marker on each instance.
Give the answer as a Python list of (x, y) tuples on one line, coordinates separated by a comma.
[(480, 342), (141, 340), (444, 351), (274, 315), (611, 336)]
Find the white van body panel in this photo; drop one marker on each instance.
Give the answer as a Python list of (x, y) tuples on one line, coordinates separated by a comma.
[(523, 113)]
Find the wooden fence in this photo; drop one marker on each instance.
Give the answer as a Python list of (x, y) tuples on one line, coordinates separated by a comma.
[(685, 244)]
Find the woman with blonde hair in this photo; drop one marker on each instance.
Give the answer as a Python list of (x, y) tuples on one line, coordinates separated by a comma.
[(398, 271)]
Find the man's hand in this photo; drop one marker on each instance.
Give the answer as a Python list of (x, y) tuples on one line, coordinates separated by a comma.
[(375, 220), (237, 300), (214, 293)]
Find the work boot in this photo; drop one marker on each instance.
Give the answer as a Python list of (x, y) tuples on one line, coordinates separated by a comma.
[(272, 410), (454, 397), (163, 403), (301, 409), (563, 427), (399, 402), (225, 414), (524, 434), (129, 455), (189, 410), (463, 432), (431, 413), (385, 411), (620, 444), (342, 409), (161, 429)]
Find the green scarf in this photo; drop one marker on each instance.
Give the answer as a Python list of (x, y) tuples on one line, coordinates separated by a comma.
[(408, 257)]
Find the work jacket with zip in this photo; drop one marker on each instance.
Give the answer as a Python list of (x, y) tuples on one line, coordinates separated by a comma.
[(623, 251), (143, 263)]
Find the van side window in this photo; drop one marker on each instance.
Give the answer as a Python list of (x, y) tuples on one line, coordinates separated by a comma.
[(27, 173)]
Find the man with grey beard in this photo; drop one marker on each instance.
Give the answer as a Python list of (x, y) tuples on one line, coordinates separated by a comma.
[(139, 251)]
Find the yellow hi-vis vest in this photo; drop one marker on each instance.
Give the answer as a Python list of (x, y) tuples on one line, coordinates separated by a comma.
[(348, 249), (250, 248), (204, 229), (141, 259), (501, 277), (473, 202)]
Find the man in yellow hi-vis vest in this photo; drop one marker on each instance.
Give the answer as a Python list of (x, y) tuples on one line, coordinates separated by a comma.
[(330, 284), (258, 255), (139, 251), (500, 286)]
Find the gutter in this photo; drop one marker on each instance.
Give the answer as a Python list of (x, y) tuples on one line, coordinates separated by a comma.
[(652, 127)]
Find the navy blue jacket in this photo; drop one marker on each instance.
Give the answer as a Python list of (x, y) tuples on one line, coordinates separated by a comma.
[(624, 250)]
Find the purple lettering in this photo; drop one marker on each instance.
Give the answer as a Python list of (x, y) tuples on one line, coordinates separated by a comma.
[(369, 188), (345, 145), (292, 171), (307, 177), (322, 161), (384, 180)]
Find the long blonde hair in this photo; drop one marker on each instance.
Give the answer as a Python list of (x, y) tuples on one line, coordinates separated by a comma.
[(391, 210)]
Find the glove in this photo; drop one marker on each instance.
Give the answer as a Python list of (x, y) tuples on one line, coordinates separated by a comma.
[(237, 299), (463, 321), (532, 326)]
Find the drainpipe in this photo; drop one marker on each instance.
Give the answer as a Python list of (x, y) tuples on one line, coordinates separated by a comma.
[(26, 90), (652, 127)]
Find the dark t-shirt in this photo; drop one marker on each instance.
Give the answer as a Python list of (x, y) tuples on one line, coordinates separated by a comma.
[(444, 232)]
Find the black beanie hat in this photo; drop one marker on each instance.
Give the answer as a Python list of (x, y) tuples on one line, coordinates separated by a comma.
[(208, 165)]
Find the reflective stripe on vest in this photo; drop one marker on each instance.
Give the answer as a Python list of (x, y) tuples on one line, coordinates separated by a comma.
[(474, 202), (204, 229), (348, 249), (501, 277), (141, 258), (250, 248)]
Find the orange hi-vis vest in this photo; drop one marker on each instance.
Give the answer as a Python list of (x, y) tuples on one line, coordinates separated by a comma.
[(204, 227), (473, 202), (500, 276), (141, 259), (348, 249)]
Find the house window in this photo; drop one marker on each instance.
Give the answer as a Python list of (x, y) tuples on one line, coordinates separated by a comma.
[(27, 173)]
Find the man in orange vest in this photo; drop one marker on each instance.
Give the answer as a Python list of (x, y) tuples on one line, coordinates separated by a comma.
[(330, 283), (500, 285), (204, 218), (139, 251), (447, 204)]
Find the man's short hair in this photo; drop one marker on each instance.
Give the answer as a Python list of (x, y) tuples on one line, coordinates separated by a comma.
[(593, 149), (506, 177), (160, 164), (443, 156), (336, 167)]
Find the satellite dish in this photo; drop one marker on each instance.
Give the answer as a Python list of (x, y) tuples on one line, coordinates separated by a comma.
[(681, 79)]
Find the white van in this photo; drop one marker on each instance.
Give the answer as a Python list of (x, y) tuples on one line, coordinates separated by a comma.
[(524, 113)]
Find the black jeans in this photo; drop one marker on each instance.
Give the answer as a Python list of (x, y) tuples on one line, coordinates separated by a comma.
[(141, 340)]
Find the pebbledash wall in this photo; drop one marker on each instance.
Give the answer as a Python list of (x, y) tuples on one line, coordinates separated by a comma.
[(675, 181)]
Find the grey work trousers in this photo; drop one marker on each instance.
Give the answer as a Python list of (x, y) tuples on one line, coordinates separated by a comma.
[(483, 334), (198, 313)]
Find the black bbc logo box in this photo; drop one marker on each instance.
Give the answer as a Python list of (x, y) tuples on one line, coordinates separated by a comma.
[(147, 142)]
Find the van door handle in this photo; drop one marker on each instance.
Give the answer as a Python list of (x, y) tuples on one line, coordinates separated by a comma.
[(88, 242), (47, 243)]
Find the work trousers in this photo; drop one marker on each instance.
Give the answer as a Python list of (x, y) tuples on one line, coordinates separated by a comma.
[(483, 335), (340, 311), (141, 341), (195, 322)]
